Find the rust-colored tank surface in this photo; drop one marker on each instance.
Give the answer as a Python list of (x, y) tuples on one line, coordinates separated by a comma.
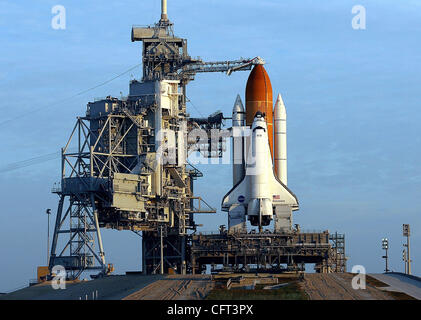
[(259, 98)]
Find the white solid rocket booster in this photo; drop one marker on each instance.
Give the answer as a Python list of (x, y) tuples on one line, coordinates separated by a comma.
[(237, 213), (238, 123), (280, 152)]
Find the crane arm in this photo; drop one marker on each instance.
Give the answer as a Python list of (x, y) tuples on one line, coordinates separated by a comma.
[(222, 66)]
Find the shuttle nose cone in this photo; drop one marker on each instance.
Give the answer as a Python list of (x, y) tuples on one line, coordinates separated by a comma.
[(259, 114)]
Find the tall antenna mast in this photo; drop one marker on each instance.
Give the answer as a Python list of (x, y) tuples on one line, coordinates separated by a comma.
[(164, 16)]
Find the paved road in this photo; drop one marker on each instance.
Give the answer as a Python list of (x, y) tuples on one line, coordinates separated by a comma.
[(400, 283), (109, 288)]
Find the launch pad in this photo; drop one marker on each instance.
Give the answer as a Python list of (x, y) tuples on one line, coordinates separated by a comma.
[(126, 167)]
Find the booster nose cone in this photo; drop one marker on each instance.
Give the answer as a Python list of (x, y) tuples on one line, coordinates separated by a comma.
[(279, 111), (259, 98), (238, 113), (238, 105)]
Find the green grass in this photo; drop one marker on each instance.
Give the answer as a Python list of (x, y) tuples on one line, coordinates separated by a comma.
[(291, 291)]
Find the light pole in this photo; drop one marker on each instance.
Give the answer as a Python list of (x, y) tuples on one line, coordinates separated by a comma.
[(162, 252), (385, 246), (407, 233), (404, 259), (48, 212)]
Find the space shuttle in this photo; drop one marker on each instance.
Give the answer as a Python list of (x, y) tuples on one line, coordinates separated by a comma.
[(259, 190)]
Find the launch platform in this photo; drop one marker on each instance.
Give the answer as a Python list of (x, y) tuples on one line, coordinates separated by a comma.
[(268, 251)]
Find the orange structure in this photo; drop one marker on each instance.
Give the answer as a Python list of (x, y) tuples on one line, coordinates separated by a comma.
[(259, 98)]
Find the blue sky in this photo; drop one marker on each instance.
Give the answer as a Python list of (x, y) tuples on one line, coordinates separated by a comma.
[(352, 98)]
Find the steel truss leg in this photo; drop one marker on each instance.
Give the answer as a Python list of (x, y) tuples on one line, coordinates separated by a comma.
[(78, 253)]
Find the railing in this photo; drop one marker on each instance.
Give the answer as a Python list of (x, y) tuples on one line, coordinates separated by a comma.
[(312, 231)]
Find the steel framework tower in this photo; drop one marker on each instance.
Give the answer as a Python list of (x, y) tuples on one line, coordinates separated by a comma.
[(112, 173)]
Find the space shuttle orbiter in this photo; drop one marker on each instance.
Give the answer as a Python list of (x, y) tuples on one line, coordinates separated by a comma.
[(260, 190)]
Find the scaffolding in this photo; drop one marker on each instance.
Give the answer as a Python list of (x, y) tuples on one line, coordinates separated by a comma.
[(337, 257)]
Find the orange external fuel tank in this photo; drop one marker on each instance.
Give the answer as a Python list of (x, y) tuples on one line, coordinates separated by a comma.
[(259, 98)]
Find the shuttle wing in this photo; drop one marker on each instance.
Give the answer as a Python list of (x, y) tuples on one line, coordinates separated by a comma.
[(281, 194), (237, 195)]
